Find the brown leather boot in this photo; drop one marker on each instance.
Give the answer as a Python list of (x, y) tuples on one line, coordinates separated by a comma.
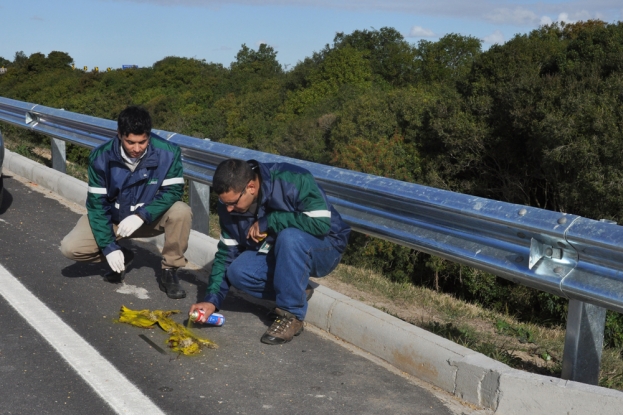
[(283, 329)]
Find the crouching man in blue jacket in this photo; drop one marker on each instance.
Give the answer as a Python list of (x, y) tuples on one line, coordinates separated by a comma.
[(277, 229), (135, 189)]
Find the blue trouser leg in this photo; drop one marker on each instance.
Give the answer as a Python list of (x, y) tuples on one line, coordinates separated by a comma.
[(282, 274)]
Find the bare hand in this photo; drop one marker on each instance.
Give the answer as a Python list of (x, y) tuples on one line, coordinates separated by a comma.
[(255, 234), (207, 308)]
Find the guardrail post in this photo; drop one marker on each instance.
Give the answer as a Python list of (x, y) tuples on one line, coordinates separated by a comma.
[(59, 156), (199, 198), (583, 342)]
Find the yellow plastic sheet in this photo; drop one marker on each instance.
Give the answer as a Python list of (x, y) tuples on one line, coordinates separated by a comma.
[(181, 339)]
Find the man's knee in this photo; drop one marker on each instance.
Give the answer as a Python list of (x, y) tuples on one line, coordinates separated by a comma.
[(67, 248), (236, 272), (180, 211), (292, 238), (71, 249)]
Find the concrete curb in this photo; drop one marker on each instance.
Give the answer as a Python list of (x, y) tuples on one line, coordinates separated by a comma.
[(470, 376)]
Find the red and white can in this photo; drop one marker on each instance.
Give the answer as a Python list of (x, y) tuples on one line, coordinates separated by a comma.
[(215, 319)]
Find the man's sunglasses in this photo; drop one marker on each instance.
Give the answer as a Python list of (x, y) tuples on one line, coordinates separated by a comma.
[(233, 203)]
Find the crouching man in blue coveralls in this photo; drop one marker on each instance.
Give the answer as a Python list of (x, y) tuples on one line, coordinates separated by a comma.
[(135, 188), (277, 230)]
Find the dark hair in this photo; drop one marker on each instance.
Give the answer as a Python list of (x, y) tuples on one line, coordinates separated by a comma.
[(232, 174), (134, 120)]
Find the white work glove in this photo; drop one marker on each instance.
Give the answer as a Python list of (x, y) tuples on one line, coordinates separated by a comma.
[(129, 225), (116, 261)]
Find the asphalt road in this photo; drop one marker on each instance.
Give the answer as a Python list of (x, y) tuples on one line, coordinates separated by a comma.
[(62, 352)]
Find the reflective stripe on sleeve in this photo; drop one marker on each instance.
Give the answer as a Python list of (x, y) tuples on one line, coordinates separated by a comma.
[(175, 180), (229, 242), (318, 214), (97, 190)]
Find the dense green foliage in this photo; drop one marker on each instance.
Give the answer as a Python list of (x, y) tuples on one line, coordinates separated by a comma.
[(535, 121)]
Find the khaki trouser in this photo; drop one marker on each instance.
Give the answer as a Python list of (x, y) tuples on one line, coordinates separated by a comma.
[(80, 245)]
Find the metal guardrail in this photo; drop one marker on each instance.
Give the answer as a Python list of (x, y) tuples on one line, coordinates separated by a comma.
[(566, 255)]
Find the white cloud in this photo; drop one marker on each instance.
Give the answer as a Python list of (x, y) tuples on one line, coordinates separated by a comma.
[(546, 20), (518, 16), (495, 37), (419, 31), (575, 17), (564, 17)]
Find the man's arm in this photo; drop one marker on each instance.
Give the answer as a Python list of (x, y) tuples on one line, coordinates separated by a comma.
[(228, 250), (218, 287), (310, 212), (98, 207)]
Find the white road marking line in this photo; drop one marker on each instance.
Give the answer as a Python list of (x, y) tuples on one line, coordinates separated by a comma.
[(101, 375)]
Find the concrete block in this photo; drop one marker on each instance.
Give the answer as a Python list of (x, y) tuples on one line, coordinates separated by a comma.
[(19, 165), (158, 241), (73, 189), (407, 347), (46, 177), (321, 306), (201, 249), (526, 393), (478, 379)]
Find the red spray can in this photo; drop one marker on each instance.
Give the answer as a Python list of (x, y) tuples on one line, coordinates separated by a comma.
[(215, 319)]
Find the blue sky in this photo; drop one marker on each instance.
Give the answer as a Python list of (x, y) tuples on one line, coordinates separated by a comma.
[(111, 33)]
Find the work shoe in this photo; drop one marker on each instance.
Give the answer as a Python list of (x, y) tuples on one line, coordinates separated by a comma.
[(283, 329), (309, 291), (117, 277), (170, 284)]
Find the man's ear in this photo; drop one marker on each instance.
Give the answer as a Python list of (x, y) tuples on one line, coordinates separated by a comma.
[(252, 185)]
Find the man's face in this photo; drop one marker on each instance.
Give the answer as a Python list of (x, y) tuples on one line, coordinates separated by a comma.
[(135, 145), (237, 201)]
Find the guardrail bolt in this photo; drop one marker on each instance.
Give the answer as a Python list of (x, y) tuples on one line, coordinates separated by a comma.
[(519, 259), (558, 270), (562, 221), (522, 211)]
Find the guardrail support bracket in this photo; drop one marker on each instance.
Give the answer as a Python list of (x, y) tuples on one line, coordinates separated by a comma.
[(584, 340), (59, 155), (31, 118), (539, 250), (199, 200)]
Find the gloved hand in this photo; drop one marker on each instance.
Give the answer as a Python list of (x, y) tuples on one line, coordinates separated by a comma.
[(129, 225), (116, 261)]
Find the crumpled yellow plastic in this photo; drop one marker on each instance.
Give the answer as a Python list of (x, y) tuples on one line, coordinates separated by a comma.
[(181, 339)]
